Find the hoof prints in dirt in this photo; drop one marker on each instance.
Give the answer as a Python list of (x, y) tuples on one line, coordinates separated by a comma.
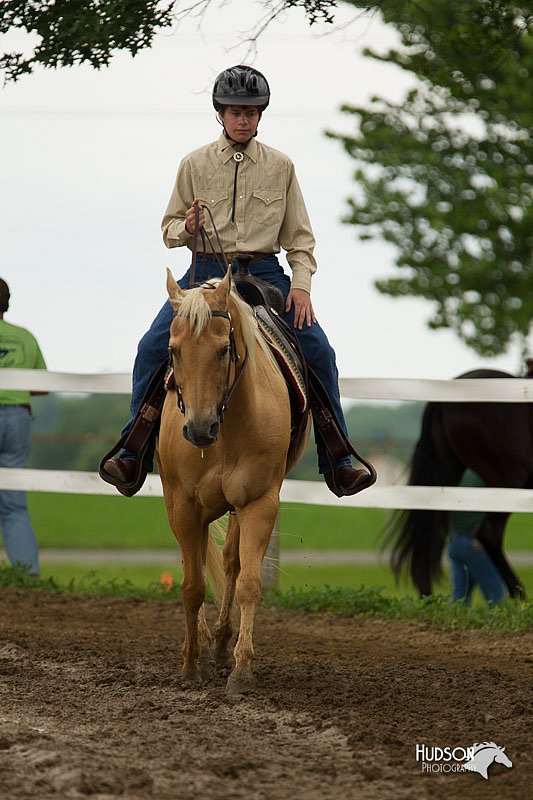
[(91, 704)]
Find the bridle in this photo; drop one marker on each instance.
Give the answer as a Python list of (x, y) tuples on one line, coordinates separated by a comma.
[(234, 358)]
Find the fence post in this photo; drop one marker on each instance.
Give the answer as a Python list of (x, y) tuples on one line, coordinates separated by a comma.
[(270, 565)]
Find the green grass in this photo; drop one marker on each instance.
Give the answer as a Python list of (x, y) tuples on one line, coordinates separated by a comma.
[(509, 618), (93, 521), (291, 576), (141, 575), (297, 576)]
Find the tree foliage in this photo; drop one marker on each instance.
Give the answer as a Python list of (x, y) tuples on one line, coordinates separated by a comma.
[(73, 32), (446, 175), (92, 31)]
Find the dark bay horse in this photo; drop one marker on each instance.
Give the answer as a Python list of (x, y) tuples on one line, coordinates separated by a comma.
[(495, 440)]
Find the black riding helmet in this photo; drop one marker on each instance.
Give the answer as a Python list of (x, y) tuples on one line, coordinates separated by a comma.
[(241, 86)]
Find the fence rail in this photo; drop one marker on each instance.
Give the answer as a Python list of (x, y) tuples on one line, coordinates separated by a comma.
[(515, 390), (308, 492), (495, 390)]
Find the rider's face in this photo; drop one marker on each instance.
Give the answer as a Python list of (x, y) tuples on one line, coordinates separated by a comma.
[(240, 122)]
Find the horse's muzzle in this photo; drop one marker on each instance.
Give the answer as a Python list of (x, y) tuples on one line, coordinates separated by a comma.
[(201, 435)]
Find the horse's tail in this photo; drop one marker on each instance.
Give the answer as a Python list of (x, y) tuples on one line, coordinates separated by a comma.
[(215, 565), (417, 536)]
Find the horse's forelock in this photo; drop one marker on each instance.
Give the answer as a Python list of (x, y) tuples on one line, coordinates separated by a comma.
[(195, 308)]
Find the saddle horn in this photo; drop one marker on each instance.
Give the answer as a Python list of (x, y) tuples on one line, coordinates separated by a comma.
[(243, 264), (255, 291)]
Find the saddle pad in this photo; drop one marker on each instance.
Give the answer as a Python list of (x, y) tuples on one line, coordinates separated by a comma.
[(286, 357)]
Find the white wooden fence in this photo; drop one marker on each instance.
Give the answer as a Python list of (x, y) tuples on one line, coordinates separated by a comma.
[(500, 390)]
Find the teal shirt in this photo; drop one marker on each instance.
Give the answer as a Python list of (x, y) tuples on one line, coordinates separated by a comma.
[(18, 350), (467, 521)]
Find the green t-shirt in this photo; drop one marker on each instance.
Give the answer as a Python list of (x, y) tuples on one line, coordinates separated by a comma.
[(467, 521), (18, 350)]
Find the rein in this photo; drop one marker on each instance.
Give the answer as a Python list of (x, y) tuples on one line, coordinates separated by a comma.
[(205, 238), (233, 359), (234, 356)]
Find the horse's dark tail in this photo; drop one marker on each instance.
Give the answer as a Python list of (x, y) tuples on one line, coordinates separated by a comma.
[(418, 536)]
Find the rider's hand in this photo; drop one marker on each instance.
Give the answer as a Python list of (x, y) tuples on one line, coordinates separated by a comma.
[(303, 308), (189, 218)]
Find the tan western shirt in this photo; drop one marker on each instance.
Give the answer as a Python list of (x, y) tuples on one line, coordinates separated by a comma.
[(256, 203)]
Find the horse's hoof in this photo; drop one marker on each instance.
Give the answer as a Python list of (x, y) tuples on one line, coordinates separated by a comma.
[(240, 684)]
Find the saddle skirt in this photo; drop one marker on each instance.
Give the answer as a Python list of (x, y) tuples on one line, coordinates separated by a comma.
[(289, 360)]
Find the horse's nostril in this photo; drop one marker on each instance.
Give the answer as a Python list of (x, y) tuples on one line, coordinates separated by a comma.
[(201, 436)]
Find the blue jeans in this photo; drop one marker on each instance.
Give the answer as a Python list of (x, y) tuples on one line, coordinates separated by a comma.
[(18, 536), (152, 350), (471, 565)]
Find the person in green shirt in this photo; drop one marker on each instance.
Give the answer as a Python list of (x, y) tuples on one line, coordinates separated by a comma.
[(470, 562), (18, 350)]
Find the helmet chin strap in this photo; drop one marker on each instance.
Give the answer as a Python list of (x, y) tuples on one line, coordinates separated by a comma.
[(228, 137)]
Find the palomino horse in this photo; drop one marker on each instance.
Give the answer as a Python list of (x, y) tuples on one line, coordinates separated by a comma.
[(495, 440), (222, 369)]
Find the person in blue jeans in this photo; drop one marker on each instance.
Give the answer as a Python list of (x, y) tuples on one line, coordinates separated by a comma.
[(470, 563), (257, 206), (18, 349)]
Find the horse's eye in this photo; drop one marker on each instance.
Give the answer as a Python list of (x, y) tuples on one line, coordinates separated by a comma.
[(223, 352), (175, 353)]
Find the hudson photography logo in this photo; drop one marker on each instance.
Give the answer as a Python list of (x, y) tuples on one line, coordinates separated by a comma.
[(476, 758)]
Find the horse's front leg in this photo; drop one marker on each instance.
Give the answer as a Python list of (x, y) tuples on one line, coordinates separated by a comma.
[(232, 565), (192, 595), (192, 538), (256, 522)]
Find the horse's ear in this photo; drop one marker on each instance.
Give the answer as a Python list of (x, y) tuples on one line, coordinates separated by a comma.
[(175, 292), (223, 289)]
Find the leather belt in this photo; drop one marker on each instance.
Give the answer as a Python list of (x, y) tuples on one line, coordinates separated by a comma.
[(232, 256), (15, 405)]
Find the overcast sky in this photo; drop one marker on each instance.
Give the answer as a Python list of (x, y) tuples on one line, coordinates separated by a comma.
[(87, 163)]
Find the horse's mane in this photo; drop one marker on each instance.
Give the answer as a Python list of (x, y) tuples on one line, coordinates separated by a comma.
[(195, 307)]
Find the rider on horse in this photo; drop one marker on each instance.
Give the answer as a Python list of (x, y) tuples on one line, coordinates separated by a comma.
[(254, 197)]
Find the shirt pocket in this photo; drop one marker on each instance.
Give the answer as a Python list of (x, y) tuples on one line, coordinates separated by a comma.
[(267, 207), (212, 198)]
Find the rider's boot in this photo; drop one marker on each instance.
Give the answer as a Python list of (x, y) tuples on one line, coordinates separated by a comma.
[(345, 480), (129, 461), (121, 469)]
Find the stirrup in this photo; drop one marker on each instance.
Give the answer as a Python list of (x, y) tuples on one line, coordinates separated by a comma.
[(129, 488), (335, 441)]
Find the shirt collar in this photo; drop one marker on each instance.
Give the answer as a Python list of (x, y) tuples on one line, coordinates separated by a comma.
[(226, 151)]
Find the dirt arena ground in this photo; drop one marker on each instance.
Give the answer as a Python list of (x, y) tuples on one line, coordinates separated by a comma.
[(91, 705)]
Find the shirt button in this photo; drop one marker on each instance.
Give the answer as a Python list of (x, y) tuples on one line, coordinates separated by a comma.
[(240, 197)]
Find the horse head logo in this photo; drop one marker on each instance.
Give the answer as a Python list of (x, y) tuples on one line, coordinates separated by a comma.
[(483, 755)]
